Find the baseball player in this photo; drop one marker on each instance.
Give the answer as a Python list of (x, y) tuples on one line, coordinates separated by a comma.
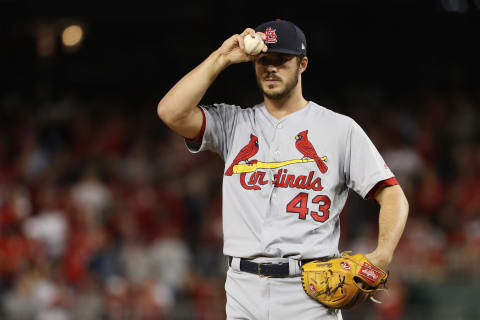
[(289, 164)]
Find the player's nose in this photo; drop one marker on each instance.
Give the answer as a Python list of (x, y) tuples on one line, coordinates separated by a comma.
[(271, 68)]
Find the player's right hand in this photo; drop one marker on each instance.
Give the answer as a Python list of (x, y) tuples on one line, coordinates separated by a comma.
[(232, 49)]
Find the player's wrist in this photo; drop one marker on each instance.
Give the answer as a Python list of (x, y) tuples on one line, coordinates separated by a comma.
[(380, 258), (220, 59)]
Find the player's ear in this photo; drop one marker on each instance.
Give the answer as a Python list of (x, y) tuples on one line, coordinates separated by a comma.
[(303, 64)]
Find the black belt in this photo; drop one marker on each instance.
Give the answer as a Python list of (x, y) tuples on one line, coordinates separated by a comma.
[(271, 270)]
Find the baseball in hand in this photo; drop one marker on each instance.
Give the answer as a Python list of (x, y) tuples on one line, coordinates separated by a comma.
[(253, 45)]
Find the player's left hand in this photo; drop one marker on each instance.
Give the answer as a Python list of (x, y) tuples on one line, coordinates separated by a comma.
[(344, 282)]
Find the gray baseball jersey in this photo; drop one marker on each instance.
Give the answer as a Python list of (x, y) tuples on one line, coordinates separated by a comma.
[(286, 181)]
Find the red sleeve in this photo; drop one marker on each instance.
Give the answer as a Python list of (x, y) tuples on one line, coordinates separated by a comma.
[(380, 185), (199, 136)]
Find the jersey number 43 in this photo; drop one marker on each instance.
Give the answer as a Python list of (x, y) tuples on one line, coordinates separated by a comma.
[(299, 205)]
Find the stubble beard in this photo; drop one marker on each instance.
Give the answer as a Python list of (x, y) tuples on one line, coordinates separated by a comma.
[(289, 86)]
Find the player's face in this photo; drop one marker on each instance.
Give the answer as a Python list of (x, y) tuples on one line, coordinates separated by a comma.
[(277, 74)]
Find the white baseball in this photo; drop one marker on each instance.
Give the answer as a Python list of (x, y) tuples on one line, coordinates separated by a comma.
[(253, 45)]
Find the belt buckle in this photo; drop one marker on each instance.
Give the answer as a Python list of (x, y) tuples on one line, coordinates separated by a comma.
[(259, 265)]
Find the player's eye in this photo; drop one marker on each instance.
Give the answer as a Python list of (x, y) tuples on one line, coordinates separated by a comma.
[(270, 61), (285, 57), (275, 59), (262, 61)]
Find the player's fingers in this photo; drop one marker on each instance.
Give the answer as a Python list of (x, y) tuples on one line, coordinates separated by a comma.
[(239, 39), (248, 31), (258, 56), (263, 37)]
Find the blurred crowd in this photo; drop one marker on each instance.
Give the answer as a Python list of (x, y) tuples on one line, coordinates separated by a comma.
[(104, 214)]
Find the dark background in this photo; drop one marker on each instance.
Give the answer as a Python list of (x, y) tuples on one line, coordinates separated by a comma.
[(142, 49), (99, 201)]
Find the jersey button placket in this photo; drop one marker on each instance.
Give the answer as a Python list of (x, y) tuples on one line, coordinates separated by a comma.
[(276, 155)]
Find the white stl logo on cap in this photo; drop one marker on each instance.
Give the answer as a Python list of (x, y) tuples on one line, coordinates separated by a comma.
[(271, 35)]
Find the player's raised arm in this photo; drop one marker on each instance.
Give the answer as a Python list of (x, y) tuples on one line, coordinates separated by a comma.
[(178, 108)]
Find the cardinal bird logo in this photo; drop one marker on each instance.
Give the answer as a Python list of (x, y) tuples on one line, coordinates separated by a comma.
[(305, 147), (246, 153)]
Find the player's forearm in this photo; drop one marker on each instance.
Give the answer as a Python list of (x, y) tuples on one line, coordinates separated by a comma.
[(392, 219), (184, 97)]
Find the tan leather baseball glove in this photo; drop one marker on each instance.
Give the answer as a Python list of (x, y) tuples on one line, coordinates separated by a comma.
[(342, 283)]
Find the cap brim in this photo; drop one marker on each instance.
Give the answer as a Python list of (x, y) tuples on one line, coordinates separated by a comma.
[(286, 51)]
